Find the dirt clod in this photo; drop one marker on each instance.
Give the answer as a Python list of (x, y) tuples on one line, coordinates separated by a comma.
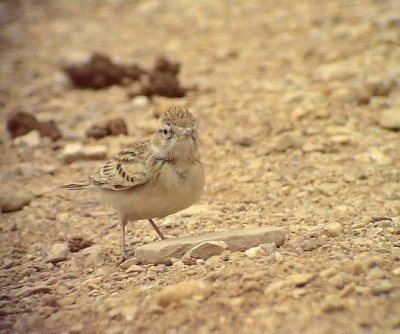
[(21, 123), (112, 127)]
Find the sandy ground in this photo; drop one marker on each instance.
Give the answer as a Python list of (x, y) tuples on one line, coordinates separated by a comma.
[(297, 102)]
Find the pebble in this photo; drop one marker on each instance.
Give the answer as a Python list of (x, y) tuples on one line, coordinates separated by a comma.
[(140, 101), (382, 286), (375, 273), (28, 290), (134, 269), (94, 257), (253, 251), (31, 139), (13, 199), (396, 271), (175, 294), (57, 253), (207, 249), (283, 142), (390, 119), (300, 280), (334, 229), (76, 151), (128, 263), (8, 263), (305, 243), (160, 252)]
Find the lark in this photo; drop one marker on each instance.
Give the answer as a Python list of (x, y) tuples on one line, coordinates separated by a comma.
[(153, 178)]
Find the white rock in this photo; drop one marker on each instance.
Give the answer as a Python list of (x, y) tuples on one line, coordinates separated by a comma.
[(12, 199), (253, 251), (390, 119), (94, 257), (57, 253), (334, 229), (140, 101), (207, 249), (176, 293), (31, 139), (71, 152), (94, 152)]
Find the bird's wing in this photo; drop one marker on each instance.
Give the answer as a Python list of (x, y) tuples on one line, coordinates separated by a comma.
[(127, 169)]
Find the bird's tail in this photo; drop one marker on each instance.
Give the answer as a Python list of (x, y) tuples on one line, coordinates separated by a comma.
[(76, 186)]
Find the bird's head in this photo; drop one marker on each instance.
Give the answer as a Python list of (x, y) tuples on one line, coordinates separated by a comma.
[(176, 137)]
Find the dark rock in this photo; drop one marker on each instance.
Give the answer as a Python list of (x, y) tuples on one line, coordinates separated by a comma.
[(21, 123)]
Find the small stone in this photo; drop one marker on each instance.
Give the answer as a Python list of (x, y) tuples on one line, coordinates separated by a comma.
[(112, 127), (390, 119), (128, 263), (140, 101), (382, 286), (94, 257), (13, 199), (134, 269), (71, 152), (300, 280), (253, 251), (31, 139), (327, 273), (193, 289), (334, 229), (337, 281), (75, 244), (207, 249), (28, 290), (188, 260), (396, 271), (332, 304), (305, 243), (94, 152), (283, 142), (245, 141), (8, 263), (375, 273), (128, 312), (57, 253)]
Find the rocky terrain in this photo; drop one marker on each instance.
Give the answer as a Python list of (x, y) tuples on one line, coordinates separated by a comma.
[(299, 111)]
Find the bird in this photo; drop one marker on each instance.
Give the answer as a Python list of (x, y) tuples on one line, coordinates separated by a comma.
[(152, 178)]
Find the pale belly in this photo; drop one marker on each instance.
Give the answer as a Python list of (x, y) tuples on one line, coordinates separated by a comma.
[(172, 192)]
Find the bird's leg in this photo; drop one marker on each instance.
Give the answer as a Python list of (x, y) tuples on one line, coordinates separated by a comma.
[(123, 250), (160, 234)]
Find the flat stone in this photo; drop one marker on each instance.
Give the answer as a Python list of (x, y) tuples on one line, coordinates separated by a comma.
[(207, 249), (58, 253), (194, 289), (237, 240)]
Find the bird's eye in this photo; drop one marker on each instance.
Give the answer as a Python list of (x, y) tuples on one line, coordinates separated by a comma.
[(165, 131)]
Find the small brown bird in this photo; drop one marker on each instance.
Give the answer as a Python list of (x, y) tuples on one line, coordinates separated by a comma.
[(152, 179)]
